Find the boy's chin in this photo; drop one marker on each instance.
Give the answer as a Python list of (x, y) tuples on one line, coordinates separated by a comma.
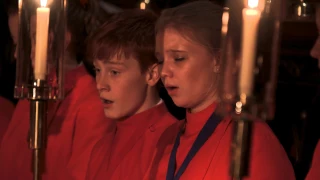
[(114, 116)]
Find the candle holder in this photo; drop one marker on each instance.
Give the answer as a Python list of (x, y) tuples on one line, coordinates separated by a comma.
[(300, 10), (249, 67), (40, 66)]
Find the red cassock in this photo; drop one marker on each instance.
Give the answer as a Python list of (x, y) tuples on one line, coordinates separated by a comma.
[(6, 111), (74, 127), (134, 143), (314, 172), (268, 159)]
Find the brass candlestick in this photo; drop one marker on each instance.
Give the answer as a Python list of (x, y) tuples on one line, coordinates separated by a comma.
[(38, 110), (40, 67), (258, 104)]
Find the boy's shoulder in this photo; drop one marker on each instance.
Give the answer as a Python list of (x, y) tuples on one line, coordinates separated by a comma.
[(164, 118)]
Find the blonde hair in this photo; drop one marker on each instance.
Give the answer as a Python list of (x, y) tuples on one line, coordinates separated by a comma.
[(199, 21)]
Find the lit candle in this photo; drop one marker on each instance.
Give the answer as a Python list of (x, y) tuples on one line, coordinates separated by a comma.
[(251, 18), (42, 30), (225, 20), (142, 5)]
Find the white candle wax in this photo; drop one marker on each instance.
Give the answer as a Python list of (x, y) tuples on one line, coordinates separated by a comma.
[(251, 18), (40, 64)]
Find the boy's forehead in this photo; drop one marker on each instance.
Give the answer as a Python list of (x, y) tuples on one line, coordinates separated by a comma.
[(118, 59), (108, 61)]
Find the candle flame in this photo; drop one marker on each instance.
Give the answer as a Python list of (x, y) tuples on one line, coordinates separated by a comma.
[(20, 4), (225, 20), (43, 3), (253, 3), (142, 5)]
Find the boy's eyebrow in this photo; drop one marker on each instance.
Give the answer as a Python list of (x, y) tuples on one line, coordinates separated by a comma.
[(117, 63)]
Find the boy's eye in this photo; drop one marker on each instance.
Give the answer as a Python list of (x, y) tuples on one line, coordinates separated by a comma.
[(114, 73)]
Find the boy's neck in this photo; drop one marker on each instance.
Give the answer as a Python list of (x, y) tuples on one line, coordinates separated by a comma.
[(152, 99)]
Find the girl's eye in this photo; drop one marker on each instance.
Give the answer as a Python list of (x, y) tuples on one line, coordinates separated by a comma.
[(179, 59)]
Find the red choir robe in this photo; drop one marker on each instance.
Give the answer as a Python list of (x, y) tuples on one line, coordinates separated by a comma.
[(6, 111), (268, 158), (314, 172), (74, 126), (134, 142)]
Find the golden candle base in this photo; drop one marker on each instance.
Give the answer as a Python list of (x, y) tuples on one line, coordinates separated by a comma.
[(37, 134), (36, 164), (244, 114), (240, 148)]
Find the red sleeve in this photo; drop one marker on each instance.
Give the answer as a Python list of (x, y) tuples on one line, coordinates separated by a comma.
[(314, 172), (91, 125), (99, 157), (269, 159), (6, 111), (91, 170)]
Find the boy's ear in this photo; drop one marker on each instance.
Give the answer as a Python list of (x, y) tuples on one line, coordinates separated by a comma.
[(153, 75)]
